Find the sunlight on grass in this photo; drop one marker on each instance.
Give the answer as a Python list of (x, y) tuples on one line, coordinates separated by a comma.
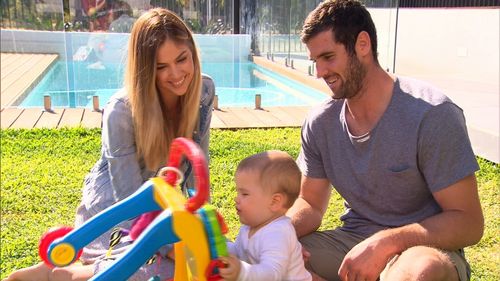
[(42, 173)]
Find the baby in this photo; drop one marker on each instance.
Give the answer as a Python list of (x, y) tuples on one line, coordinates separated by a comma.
[(266, 248)]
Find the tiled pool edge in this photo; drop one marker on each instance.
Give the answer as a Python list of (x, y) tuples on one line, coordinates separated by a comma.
[(293, 74)]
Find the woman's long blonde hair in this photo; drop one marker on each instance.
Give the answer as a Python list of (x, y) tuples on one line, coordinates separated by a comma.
[(153, 131)]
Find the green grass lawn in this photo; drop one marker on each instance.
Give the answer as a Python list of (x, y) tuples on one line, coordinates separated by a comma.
[(42, 173)]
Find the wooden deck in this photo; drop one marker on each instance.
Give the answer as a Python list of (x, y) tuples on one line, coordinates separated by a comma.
[(20, 72), (224, 118)]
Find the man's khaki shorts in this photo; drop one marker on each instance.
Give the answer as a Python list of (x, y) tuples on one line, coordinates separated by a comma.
[(328, 248)]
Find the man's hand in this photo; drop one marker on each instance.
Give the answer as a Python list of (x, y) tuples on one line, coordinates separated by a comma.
[(365, 261), (232, 270)]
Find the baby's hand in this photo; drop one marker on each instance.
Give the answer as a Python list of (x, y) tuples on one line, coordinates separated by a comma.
[(305, 254), (232, 269), (171, 254)]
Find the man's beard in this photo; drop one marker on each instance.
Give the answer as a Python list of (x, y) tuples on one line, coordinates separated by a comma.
[(353, 82)]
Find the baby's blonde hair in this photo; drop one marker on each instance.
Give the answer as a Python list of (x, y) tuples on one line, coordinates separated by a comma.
[(277, 172)]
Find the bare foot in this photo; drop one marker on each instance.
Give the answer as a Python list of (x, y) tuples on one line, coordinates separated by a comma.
[(39, 272)]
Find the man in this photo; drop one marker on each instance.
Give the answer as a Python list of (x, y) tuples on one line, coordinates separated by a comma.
[(397, 151)]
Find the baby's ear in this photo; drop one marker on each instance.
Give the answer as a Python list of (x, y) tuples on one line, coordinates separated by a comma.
[(277, 201)]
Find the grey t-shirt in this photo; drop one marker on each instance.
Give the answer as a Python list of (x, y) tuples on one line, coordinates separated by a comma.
[(419, 146)]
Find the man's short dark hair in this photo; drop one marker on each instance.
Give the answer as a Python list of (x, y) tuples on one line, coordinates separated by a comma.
[(346, 18)]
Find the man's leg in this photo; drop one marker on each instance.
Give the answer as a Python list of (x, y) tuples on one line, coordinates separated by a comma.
[(327, 250), (426, 263)]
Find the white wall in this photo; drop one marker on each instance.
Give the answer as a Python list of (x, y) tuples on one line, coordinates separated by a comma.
[(458, 43), (452, 43), (385, 22), (457, 50)]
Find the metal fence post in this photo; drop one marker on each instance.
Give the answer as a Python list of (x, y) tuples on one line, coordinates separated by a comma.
[(216, 102), (47, 103), (258, 100), (95, 103)]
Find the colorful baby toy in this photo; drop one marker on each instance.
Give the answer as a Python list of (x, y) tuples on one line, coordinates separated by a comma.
[(195, 229)]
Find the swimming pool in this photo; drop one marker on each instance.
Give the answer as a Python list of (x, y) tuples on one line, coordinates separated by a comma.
[(236, 85)]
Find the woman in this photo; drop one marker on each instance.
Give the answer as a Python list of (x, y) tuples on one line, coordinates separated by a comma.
[(165, 96)]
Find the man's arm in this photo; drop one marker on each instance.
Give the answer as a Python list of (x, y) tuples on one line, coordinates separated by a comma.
[(460, 224), (308, 210)]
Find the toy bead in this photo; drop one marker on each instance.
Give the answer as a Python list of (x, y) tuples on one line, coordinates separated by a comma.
[(151, 260), (116, 236)]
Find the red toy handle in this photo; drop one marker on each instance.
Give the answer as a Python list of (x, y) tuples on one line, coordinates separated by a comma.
[(210, 270), (184, 146), (50, 236)]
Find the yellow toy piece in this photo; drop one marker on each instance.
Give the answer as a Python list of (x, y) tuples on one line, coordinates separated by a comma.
[(63, 254), (192, 254), (191, 232), (167, 196)]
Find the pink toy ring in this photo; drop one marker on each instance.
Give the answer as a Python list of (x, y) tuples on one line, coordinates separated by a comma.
[(184, 146)]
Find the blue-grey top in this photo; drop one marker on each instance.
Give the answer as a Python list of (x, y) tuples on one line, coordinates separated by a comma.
[(119, 172), (419, 146)]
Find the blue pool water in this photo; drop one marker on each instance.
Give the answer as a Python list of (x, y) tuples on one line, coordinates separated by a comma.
[(72, 84)]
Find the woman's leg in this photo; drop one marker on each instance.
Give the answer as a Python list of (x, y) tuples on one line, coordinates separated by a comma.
[(39, 272), (72, 273)]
